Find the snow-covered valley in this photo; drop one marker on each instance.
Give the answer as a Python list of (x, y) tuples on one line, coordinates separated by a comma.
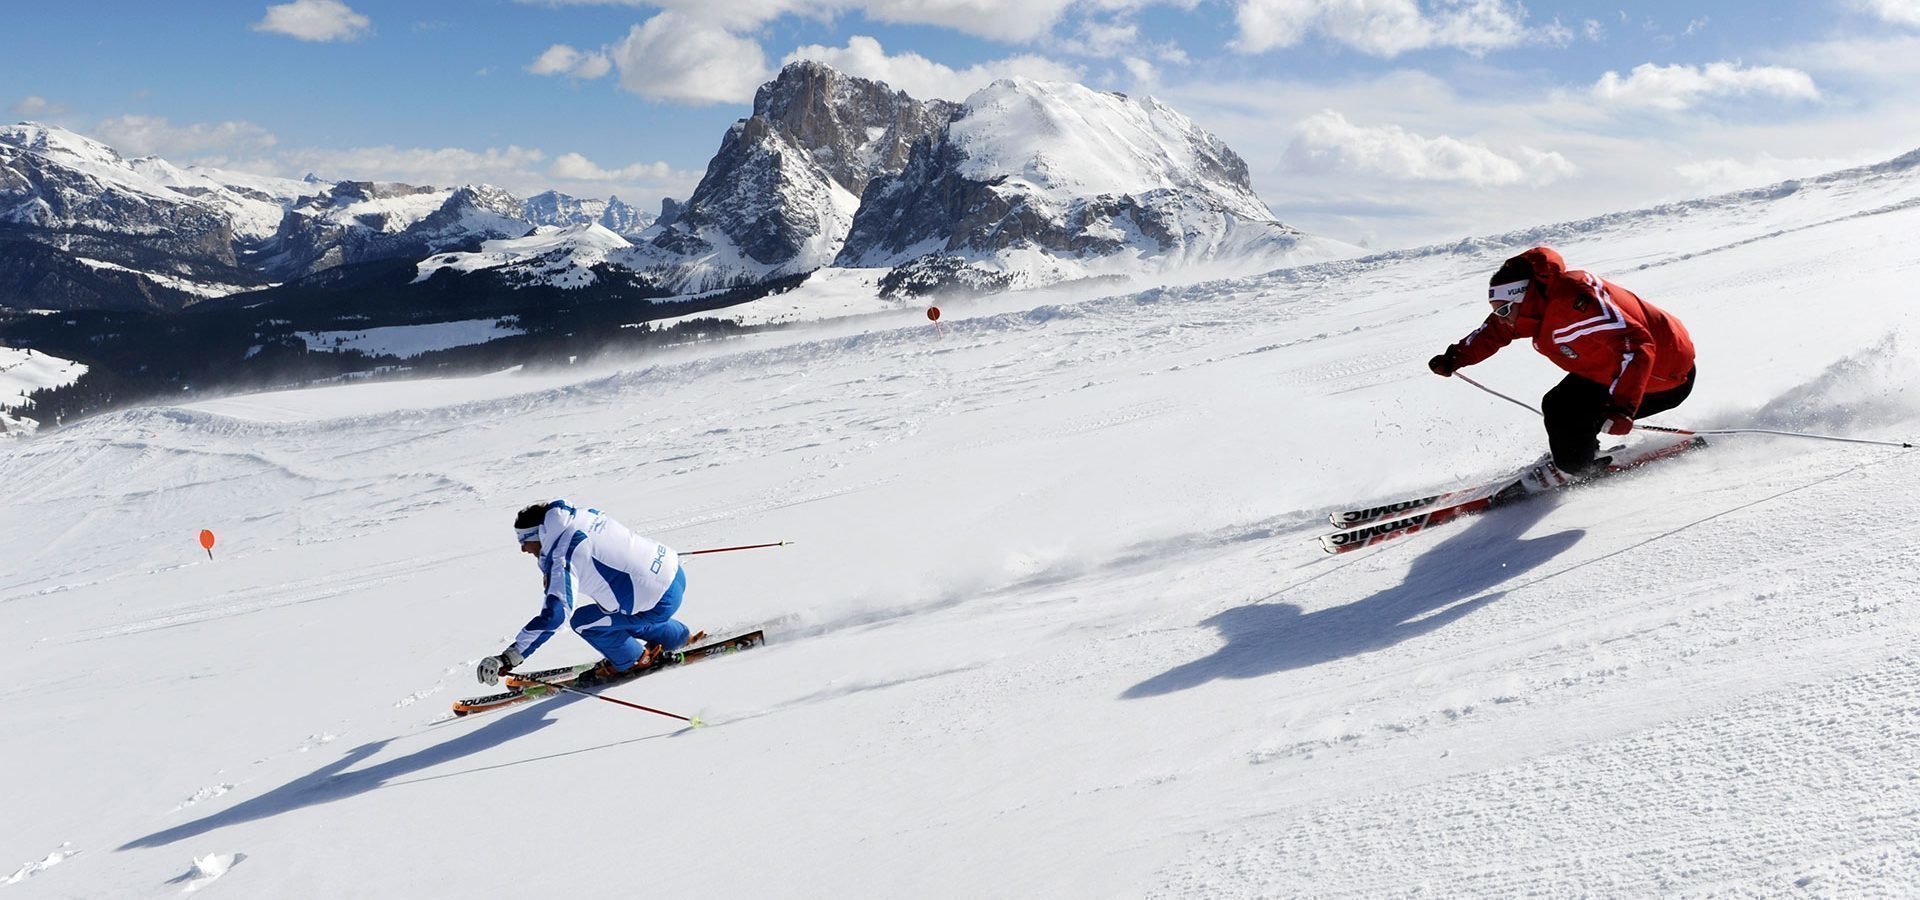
[(1054, 622)]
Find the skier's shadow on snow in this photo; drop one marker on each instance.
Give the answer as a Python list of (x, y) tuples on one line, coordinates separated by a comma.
[(333, 782), (1444, 584)]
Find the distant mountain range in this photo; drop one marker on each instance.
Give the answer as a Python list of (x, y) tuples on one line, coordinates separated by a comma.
[(83, 228), (1024, 184)]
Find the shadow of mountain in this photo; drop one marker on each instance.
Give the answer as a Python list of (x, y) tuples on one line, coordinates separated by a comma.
[(1444, 584), (334, 782)]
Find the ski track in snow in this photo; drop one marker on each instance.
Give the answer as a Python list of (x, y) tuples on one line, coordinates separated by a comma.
[(1054, 621)]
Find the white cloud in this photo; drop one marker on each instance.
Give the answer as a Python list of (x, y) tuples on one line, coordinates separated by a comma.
[(315, 20), (561, 59), (924, 79), (1729, 174), (1899, 12), (1327, 142), (36, 106), (1115, 39), (732, 15), (1102, 39), (1867, 113), (136, 135), (1678, 87), (575, 167), (437, 166), (1879, 68), (1554, 34), (1594, 29), (1385, 28), (524, 171), (1143, 72), (1006, 20), (685, 60)]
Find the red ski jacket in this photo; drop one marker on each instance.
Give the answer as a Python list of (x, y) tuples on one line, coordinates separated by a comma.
[(1593, 328)]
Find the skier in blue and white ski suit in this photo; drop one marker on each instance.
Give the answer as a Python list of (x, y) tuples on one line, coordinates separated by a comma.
[(618, 590)]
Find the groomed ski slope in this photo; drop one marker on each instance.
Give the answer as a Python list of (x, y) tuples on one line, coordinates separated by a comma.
[(1055, 623)]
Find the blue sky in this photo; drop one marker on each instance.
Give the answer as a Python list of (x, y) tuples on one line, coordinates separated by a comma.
[(1389, 122)]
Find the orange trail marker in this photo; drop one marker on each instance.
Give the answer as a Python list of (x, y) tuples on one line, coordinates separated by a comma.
[(206, 540)]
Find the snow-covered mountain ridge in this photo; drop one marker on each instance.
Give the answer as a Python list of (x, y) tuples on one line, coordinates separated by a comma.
[(196, 232), (1038, 182)]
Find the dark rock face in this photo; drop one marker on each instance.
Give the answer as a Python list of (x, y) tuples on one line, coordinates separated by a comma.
[(670, 210), (784, 184)]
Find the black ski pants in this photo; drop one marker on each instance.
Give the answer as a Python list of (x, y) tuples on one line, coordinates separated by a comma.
[(1576, 410)]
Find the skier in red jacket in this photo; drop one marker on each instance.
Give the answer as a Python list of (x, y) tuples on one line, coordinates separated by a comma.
[(1625, 358)]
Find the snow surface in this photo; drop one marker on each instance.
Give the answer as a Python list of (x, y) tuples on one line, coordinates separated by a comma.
[(826, 294), (409, 340), (21, 373), (1054, 624)]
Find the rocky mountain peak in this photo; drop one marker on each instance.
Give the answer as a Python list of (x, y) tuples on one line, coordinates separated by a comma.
[(853, 127), (782, 191), (1035, 181)]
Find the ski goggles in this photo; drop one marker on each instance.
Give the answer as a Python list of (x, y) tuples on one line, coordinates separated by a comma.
[(1505, 297), (526, 535)]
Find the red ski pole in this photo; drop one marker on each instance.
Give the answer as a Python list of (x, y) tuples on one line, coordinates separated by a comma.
[(742, 547), (694, 720)]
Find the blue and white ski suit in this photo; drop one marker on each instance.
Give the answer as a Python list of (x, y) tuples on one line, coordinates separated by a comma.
[(631, 585)]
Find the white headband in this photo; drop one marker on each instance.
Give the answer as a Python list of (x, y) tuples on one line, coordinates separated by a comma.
[(527, 535), (1511, 292)]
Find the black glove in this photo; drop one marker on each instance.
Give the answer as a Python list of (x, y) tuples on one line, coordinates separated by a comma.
[(493, 667), (1445, 364)]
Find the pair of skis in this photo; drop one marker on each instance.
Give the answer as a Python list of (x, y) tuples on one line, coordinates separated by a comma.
[(1367, 526), (525, 686)]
